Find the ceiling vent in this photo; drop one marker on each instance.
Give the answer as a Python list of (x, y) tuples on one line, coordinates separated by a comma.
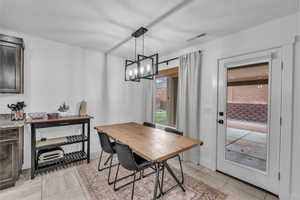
[(196, 37)]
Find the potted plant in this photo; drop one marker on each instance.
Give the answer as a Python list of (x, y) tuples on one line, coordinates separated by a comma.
[(63, 110)]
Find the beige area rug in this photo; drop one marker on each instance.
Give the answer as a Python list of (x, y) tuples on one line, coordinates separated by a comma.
[(96, 184)]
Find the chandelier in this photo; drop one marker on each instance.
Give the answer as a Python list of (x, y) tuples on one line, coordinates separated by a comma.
[(143, 66)]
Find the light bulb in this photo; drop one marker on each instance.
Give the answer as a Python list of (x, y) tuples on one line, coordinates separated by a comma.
[(135, 71), (142, 70), (130, 72), (148, 68)]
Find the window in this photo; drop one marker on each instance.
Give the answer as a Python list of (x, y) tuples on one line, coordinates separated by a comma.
[(166, 97)]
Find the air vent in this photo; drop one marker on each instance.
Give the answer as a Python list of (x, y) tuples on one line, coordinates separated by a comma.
[(196, 37)]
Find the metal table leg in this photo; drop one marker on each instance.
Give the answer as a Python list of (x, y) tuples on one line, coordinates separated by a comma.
[(156, 181), (33, 151), (173, 175), (83, 135), (89, 141)]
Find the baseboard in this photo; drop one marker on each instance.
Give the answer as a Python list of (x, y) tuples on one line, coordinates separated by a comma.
[(205, 163)]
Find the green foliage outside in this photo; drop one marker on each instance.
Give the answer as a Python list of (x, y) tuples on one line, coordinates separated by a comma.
[(161, 117)]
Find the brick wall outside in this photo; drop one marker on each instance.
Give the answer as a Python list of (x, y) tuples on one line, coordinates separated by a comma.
[(248, 112), (161, 98)]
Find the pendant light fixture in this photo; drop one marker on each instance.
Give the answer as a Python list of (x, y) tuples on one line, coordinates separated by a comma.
[(142, 67)]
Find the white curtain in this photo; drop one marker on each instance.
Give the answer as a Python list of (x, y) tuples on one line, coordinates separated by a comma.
[(149, 92), (188, 100)]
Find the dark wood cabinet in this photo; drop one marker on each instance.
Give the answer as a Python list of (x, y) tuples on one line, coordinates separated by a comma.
[(11, 64), (11, 156)]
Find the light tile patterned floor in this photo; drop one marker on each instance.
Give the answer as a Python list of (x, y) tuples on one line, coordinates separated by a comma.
[(65, 184)]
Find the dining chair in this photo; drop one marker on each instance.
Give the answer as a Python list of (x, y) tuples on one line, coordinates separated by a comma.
[(149, 124), (109, 148), (131, 162), (175, 131)]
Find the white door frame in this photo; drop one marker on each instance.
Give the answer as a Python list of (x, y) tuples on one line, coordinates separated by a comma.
[(287, 53)]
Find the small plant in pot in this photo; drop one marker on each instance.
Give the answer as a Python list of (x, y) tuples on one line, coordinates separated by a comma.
[(63, 110)]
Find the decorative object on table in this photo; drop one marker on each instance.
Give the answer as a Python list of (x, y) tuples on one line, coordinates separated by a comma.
[(38, 115), (63, 110), (52, 115), (11, 64), (83, 108), (142, 66), (17, 111), (50, 155)]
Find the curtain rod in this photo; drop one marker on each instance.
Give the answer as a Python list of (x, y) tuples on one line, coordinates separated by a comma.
[(169, 60)]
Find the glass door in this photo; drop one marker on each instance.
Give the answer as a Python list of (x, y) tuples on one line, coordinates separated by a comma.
[(249, 118), (247, 115)]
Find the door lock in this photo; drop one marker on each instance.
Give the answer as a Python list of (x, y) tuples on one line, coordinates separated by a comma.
[(221, 121)]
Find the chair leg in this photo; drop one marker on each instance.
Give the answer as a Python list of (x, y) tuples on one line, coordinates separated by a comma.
[(116, 177), (132, 192), (108, 159), (100, 161), (109, 171), (182, 176)]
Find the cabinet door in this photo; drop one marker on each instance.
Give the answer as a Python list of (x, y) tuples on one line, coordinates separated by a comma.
[(11, 68), (8, 162)]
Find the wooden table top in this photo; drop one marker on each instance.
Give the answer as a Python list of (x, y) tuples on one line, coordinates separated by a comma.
[(57, 119), (150, 143)]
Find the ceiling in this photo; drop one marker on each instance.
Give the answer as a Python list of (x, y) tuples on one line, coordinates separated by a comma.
[(102, 24)]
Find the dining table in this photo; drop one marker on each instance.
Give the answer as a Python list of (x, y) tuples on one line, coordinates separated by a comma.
[(153, 144)]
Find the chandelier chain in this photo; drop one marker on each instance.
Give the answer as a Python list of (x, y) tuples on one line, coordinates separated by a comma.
[(143, 45), (135, 56)]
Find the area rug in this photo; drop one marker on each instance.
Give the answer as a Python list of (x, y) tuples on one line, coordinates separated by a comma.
[(96, 184)]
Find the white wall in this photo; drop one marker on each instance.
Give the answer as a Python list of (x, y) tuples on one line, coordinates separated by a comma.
[(272, 34), (56, 72), (296, 128), (125, 98)]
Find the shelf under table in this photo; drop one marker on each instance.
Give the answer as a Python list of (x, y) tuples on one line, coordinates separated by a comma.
[(60, 141), (68, 158)]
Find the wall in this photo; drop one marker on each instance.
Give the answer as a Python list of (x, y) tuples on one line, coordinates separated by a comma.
[(296, 128), (56, 72), (272, 34)]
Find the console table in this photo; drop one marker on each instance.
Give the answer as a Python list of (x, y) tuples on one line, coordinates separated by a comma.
[(84, 138)]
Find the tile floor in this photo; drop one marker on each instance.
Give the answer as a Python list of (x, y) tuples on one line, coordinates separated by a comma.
[(65, 184), (247, 148)]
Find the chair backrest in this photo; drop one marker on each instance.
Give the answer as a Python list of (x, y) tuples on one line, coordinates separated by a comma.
[(105, 143), (149, 124), (173, 130), (126, 157)]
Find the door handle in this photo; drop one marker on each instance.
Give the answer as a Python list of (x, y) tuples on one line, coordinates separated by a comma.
[(221, 121)]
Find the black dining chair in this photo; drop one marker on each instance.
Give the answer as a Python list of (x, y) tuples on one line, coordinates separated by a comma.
[(107, 147), (172, 130), (131, 162), (149, 124)]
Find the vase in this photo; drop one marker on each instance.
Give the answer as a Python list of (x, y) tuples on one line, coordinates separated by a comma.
[(64, 114)]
